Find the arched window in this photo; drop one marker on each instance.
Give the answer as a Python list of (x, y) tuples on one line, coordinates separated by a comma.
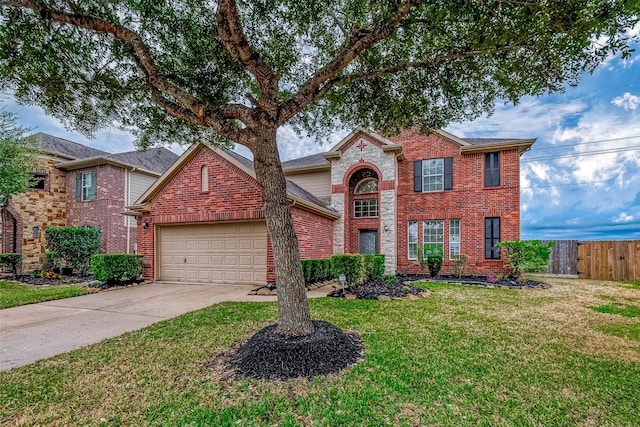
[(367, 185), (204, 178)]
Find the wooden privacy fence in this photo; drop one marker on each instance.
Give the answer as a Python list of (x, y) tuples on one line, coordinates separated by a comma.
[(609, 260), (602, 260)]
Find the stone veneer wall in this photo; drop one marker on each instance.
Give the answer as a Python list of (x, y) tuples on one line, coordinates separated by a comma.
[(40, 208), (365, 151)]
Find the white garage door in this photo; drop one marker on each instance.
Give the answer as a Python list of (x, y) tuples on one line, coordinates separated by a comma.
[(213, 253)]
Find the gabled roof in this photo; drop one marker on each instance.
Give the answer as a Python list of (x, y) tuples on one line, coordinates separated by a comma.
[(488, 144), (314, 161), (64, 148), (296, 194), (153, 161), (386, 144)]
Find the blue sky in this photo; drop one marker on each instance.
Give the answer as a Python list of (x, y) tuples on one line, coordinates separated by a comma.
[(581, 180)]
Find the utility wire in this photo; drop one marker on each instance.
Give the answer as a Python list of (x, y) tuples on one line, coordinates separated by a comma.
[(587, 153), (556, 147), (606, 181)]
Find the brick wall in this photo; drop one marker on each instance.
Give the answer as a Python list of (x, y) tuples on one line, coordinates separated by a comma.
[(469, 201), (105, 211), (233, 195)]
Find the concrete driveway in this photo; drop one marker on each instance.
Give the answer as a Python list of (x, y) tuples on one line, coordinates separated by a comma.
[(37, 331)]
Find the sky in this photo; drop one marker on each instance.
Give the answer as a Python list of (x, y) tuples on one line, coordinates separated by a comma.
[(580, 180)]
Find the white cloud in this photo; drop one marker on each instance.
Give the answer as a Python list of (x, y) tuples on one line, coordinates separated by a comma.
[(623, 217), (627, 101)]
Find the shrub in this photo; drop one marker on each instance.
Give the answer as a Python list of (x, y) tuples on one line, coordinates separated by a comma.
[(378, 266), (12, 261), (50, 260), (316, 270), (460, 265), (116, 268), (75, 245), (526, 256), (367, 267), (348, 264), (434, 258)]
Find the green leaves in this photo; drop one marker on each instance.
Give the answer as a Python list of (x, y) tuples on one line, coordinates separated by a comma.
[(17, 157), (526, 256)]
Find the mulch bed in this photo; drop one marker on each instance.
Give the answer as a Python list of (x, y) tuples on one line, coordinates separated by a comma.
[(402, 287), (269, 355)]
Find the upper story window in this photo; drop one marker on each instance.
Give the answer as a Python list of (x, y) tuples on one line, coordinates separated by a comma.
[(368, 185), (365, 208), (492, 169), (433, 175), (38, 181), (86, 186)]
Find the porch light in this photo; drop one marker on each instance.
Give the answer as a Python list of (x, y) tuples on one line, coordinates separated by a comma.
[(145, 224)]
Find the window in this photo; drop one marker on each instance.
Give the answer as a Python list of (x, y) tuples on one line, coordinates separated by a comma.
[(86, 186), (365, 208), (368, 185), (433, 236), (412, 238), (204, 179), (433, 175), (491, 237), (38, 181), (492, 169), (454, 238)]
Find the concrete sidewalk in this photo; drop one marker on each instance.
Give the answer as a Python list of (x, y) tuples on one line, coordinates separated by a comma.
[(37, 331)]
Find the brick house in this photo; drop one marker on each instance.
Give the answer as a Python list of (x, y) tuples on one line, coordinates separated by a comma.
[(202, 221), (79, 186)]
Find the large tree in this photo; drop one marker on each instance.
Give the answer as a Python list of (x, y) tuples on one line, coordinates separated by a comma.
[(237, 70), (17, 157)]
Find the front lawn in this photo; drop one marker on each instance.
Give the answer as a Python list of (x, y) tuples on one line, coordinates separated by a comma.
[(13, 294), (463, 356)]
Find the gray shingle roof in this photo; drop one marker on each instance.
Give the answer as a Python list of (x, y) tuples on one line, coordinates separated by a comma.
[(308, 161), (62, 147), (154, 159), (492, 141)]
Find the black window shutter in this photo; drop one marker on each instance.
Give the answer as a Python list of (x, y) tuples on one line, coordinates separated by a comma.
[(78, 186), (448, 173), (417, 176)]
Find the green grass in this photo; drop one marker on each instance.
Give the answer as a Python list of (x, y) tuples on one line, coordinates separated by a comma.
[(465, 356), (618, 308), (14, 294)]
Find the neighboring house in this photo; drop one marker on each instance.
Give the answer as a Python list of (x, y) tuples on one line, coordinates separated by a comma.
[(203, 221), (79, 186)]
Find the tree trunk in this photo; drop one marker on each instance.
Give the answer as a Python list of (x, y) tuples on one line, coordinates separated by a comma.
[(294, 318)]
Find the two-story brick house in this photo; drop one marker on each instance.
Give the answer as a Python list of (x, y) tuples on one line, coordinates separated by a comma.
[(79, 186), (203, 221)]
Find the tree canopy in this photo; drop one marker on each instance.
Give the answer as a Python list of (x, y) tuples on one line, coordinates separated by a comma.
[(17, 157), (384, 64)]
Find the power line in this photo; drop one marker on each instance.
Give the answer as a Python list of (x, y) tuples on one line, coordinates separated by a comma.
[(583, 143), (588, 153), (580, 183)]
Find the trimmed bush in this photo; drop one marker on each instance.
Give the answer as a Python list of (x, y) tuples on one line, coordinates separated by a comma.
[(50, 260), (75, 245), (378, 266), (526, 256), (348, 264), (11, 261), (116, 269), (434, 258), (316, 270)]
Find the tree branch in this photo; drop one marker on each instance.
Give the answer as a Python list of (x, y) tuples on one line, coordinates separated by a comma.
[(235, 41), (358, 41), (143, 57)]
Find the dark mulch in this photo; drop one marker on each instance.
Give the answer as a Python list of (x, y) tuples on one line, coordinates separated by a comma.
[(269, 355), (63, 280), (401, 287)]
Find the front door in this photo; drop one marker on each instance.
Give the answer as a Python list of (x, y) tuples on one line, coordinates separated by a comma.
[(368, 242)]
